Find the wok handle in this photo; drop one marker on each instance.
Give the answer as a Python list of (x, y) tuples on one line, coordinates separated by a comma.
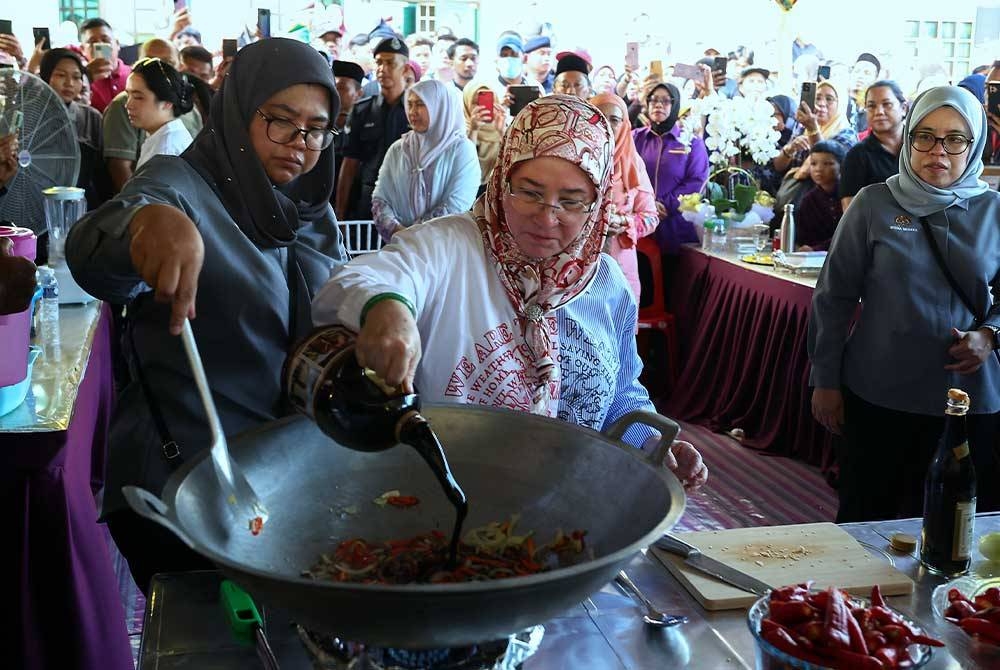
[(149, 506), (668, 432)]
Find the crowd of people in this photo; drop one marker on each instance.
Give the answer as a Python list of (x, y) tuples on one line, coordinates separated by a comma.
[(497, 177)]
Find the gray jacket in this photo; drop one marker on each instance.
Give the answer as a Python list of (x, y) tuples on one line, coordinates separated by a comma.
[(241, 326), (896, 354)]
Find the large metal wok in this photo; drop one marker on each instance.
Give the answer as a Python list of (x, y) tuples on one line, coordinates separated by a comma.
[(554, 474)]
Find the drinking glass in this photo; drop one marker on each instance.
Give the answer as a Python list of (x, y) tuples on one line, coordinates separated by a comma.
[(762, 237)]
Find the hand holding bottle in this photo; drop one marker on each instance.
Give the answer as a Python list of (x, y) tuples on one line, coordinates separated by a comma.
[(389, 344)]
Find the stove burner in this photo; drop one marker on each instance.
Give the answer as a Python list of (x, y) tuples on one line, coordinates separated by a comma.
[(331, 653)]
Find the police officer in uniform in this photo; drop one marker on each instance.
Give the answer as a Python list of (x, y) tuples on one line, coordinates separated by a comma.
[(349, 77), (376, 122)]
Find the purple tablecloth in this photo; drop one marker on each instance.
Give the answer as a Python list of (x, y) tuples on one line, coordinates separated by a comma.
[(743, 357), (66, 607)]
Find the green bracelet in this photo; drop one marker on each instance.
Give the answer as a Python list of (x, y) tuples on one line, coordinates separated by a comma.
[(387, 296)]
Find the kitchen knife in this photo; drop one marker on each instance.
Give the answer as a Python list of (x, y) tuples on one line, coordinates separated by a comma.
[(695, 559)]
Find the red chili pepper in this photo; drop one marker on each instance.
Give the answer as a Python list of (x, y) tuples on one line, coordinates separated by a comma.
[(256, 525), (837, 615), (982, 627), (960, 609), (848, 659), (857, 636), (923, 639), (982, 602), (955, 594), (990, 614), (889, 656), (768, 625), (820, 600), (403, 501), (794, 592), (864, 618), (810, 630), (783, 641), (877, 599), (884, 615), (791, 612), (875, 640), (894, 633)]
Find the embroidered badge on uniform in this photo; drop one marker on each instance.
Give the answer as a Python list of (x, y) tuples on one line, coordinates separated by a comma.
[(903, 224)]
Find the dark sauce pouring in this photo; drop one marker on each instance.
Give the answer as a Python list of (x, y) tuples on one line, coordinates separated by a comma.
[(358, 410)]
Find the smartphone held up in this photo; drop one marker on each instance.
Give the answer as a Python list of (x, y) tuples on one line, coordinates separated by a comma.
[(808, 94), (485, 100)]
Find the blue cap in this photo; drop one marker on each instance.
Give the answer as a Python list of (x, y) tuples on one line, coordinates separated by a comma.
[(537, 42), (512, 41), (382, 31)]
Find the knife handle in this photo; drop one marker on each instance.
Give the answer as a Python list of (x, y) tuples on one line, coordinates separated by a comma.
[(676, 546)]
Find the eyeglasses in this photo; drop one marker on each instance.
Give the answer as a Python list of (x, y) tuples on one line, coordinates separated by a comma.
[(530, 203), (663, 102), (281, 131), (953, 145)]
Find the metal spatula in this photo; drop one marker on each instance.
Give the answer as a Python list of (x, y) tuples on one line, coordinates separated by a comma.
[(242, 500)]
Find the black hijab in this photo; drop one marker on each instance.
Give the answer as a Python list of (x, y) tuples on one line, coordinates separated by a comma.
[(675, 108), (223, 155)]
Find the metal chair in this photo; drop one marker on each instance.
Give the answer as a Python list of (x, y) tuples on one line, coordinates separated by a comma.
[(360, 237)]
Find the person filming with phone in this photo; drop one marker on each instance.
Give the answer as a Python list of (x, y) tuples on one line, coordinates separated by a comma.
[(430, 171), (106, 71), (485, 120)]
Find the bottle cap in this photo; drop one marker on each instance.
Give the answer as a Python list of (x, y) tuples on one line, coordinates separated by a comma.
[(958, 396), (903, 543)]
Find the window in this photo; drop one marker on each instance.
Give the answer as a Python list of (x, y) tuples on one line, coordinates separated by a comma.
[(78, 11), (426, 17), (953, 38)]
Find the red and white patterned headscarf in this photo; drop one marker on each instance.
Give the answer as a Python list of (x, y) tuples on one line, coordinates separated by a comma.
[(558, 126)]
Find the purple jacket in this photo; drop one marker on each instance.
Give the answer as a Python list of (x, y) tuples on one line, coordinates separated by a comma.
[(673, 170)]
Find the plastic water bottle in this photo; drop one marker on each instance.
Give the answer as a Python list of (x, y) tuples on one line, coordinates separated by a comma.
[(719, 236), (48, 315)]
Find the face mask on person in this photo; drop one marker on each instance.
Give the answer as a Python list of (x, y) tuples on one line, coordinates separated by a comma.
[(510, 68)]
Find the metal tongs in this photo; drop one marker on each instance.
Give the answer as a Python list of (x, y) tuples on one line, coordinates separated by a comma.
[(242, 500)]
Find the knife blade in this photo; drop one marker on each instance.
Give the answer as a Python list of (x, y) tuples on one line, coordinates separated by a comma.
[(697, 560)]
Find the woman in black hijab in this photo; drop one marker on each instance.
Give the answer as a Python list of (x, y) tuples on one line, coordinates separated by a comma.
[(237, 231), (64, 72)]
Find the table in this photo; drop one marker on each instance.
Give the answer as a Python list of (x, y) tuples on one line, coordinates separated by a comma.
[(185, 627), (742, 331), (66, 606)]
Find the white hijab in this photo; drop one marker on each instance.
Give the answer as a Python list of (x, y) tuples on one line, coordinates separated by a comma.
[(421, 150), (914, 194)]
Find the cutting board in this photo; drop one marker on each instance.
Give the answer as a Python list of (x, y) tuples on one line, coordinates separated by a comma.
[(782, 555)]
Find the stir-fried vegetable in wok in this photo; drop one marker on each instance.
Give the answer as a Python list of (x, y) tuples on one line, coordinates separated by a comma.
[(488, 552)]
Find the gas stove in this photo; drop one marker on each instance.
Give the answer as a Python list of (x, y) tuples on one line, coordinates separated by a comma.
[(185, 627), (331, 653)]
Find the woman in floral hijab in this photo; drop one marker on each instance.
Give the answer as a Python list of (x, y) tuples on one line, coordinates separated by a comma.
[(512, 305)]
